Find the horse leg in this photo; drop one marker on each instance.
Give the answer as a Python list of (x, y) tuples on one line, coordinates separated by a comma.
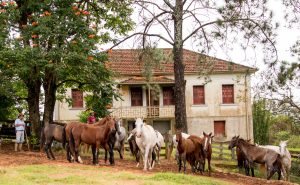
[(47, 150), (77, 156), (179, 162), (147, 149), (122, 149), (111, 154), (184, 163), (50, 148), (94, 154), (105, 156), (270, 171), (209, 167), (279, 173)]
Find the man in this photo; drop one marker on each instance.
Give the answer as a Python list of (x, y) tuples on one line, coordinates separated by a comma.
[(19, 127)]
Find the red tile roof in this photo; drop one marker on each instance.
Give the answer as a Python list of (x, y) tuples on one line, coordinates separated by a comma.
[(142, 80), (126, 62)]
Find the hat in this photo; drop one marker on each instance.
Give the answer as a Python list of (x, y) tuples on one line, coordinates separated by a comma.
[(20, 114)]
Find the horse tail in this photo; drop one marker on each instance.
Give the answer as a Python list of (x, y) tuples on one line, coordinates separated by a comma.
[(64, 137), (42, 139), (71, 140)]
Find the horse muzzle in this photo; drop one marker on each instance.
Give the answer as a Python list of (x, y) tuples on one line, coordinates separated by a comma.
[(119, 133)]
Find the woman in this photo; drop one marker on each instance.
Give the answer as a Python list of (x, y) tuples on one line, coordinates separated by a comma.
[(90, 120)]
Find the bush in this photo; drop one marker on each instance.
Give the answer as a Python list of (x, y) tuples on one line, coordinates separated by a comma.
[(295, 170), (83, 116), (294, 141), (282, 136)]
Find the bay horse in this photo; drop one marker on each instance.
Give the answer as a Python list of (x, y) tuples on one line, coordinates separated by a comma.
[(187, 149), (207, 142), (270, 158), (48, 134), (174, 144), (241, 159), (134, 149), (95, 136), (199, 163), (285, 155), (146, 140)]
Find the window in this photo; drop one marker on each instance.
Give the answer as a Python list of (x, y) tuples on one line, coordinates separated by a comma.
[(228, 94), (168, 96), (136, 96), (77, 98), (219, 128), (198, 95)]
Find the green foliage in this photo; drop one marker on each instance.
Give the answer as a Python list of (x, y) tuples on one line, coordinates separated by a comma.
[(282, 135), (83, 116), (33, 139), (261, 122), (294, 141)]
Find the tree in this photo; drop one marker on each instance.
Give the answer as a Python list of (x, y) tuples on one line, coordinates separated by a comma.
[(261, 122), (55, 44), (207, 21)]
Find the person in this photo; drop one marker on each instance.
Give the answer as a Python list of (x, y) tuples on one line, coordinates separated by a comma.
[(19, 127), (90, 120)]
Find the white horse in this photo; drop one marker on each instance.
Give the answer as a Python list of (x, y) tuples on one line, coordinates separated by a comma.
[(160, 142), (174, 143), (285, 157), (120, 140), (146, 140)]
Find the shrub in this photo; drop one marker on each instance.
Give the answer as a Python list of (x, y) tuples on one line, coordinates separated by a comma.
[(83, 116), (294, 141), (282, 135)]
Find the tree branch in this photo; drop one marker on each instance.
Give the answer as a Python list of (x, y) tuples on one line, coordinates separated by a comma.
[(169, 4)]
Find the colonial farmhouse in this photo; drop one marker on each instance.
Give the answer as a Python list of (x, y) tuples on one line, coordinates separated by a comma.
[(218, 98)]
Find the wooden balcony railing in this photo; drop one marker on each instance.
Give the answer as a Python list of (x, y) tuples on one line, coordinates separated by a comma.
[(145, 112)]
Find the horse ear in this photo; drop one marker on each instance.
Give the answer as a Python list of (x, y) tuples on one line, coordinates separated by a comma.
[(238, 137), (210, 134), (204, 133)]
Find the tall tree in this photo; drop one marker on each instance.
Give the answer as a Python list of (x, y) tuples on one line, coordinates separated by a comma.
[(205, 22), (55, 43)]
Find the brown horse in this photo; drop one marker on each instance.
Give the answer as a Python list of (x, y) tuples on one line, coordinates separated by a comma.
[(187, 148), (48, 134), (253, 154), (96, 136), (66, 135), (241, 159), (199, 165), (207, 142)]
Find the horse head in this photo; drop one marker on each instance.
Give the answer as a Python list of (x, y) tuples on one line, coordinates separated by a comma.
[(282, 146), (207, 140), (178, 135), (118, 125), (139, 127), (233, 142), (111, 123)]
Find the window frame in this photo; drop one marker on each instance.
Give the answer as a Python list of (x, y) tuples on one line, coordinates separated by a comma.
[(201, 100), (225, 99)]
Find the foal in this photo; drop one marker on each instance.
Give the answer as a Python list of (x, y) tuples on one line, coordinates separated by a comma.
[(207, 140), (270, 158), (187, 148)]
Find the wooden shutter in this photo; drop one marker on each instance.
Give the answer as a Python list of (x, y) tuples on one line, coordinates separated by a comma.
[(168, 96), (228, 93), (136, 96), (219, 128), (77, 98), (198, 94)]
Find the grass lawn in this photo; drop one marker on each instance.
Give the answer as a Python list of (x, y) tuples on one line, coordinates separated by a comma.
[(58, 174)]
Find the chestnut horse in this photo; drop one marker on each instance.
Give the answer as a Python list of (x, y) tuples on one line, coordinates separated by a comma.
[(96, 136), (187, 149), (207, 142), (253, 154), (191, 158)]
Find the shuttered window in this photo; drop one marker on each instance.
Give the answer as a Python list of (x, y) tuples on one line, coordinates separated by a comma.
[(77, 98), (198, 95), (168, 96), (228, 94), (136, 96)]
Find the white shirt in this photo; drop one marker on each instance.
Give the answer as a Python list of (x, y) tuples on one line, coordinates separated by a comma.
[(21, 127)]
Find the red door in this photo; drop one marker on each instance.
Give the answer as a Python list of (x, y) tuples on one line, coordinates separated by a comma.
[(219, 128)]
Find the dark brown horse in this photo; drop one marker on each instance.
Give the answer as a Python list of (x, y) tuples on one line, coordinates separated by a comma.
[(241, 159), (187, 148), (255, 154), (191, 158), (95, 136), (207, 142), (48, 134)]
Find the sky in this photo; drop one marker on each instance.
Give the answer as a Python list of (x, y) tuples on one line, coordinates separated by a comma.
[(285, 39)]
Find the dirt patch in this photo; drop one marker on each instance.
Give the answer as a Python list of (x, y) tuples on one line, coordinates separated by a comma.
[(10, 158)]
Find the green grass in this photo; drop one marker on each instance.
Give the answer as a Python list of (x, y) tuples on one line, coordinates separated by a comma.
[(58, 175)]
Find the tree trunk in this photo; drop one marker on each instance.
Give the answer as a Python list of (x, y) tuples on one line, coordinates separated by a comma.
[(34, 88), (179, 91), (50, 88)]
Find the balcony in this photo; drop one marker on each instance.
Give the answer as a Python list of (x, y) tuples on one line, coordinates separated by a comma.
[(145, 112)]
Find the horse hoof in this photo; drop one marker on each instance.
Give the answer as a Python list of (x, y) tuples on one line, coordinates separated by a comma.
[(145, 169), (137, 165)]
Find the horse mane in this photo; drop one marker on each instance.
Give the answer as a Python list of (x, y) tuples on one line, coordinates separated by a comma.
[(244, 141)]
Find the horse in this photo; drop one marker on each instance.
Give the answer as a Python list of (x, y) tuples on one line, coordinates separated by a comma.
[(94, 135), (241, 159), (187, 149), (160, 143), (134, 147), (120, 140), (48, 134), (174, 143), (66, 136), (270, 158), (199, 162), (207, 142), (285, 155), (146, 140)]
